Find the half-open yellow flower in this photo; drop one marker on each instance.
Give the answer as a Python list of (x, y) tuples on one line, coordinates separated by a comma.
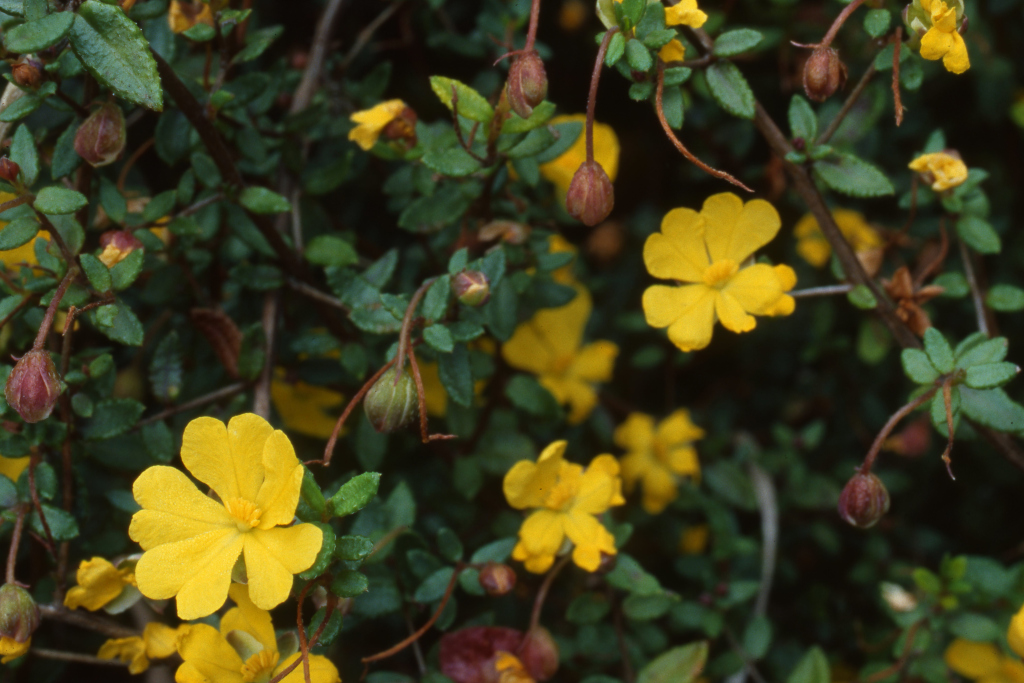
[(983, 662), (158, 641), (709, 251), (565, 499), (99, 582), (606, 153), (373, 121), (192, 541), (550, 345), (942, 40), (685, 13), (657, 454), (815, 249), (184, 14), (305, 408), (944, 171), (244, 650)]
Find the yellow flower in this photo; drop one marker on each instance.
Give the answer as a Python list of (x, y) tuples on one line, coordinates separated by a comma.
[(942, 40), (13, 467), (373, 121), (655, 455), (243, 650), (157, 641), (305, 408), (11, 649), (606, 152), (99, 582), (815, 249), (694, 539), (672, 51), (708, 249), (943, 171), (550, 345), (1015, 634), (983, 662), (26, 253), (685, 13), (434, 394), (192, 541), (184, 14), (565, 499), (510, 669)]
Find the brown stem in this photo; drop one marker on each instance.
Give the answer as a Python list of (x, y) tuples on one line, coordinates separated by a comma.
[(869, 460), (68, 255), (317, 55), (283, 673), (531, 34), (838, 23), (111, 629), (595, 78), (261, 395), (123, 176), (364, 36), (658, 108), (851, 100), (17, 201), (223, 392), (425, 434), (897, 99), (303, 644), (77, 657), (947, 398), (329, 449), (314, 293), (407, 323), (51, 310), (37, 504), (12, 552), (980, 310), (542, 592)]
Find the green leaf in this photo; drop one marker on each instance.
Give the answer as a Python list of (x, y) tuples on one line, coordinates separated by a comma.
[(876, 22), (469, 102), (456, 376), (354, 494), (938, 410), (257, 43), (435, 303), (672, 106), (736, 42), (98, 274), (352, 548), (1005, 298), (813, 668), (200, 33), (113, 49), (330, 250), (454, 162), (954, 284), (981, 351), (647, 607), (527, 394), (917, 367), (261, 200), (123, 274), (638, 56), (56, 200), (939, 351), (979, 234), (681, 664), (65, 159), (20, 108), (166, 369), (24, 153), (992, 408), (541, 113), (18, 232), (862, 297), (975, 627), (448, 545), (119, 323), (62, 525), (434, 586), (990, 375), (616, 48), (803, 123), (34, 36), (853, 176), (757, 637), (730, 89), (324, 556), (348, 584), (112, 417), (439, 338)]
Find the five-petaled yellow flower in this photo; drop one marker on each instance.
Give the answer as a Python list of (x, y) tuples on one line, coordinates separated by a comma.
[(99, 583), (815, 249), (707, 252), (657, 454), (158, 641), (943, 171), (192, 541), (942, 40), (685, 13), (550, 345), (373, 121), (244, 650), (564, 498), (983, 662), (606, 153), (305, 408)]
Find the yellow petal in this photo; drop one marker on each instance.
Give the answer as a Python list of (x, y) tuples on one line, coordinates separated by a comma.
[(208, 657), (682, 460), (173, 509), (272, 556), (606, 153), (321, 670), (525, 485), (956, 60), (542, 533), (594, 362), (372, 121), (161, 640), (688, 312), (197, 570), (13, 467), (672, 51), (11, 649), (1015, 634), (99, 582), (279, 494), (660, 489), (599, 486), (943, 17), (971, 659), (550, 337), (755, 289), (935, 43), (636, 433), (677, 428), (734, 229), (678, 251), (226, 458), (305, 408), (731, 314), (590, 538), (249, 618), (131, 651), (685, 13)]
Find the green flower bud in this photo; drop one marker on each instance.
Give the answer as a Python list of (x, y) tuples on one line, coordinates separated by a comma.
[(19, 615), (391, 405), (471, 287), (33, 386)]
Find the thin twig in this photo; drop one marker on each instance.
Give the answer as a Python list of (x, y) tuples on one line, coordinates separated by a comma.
[(839, 21), (367, 33), (897, 99), (314, 293), (91, 622), (223, 392), (63, 656), (542, 592), (828, 290), (12, 551), (261, 395), (317, 56), (425, 434), (851, 100), (980, 310), (947, 398), (595, 79), (894, 419), (407, 323), (908, 648)]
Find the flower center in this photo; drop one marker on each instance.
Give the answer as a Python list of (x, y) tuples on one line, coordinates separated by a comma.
[(718, 273), (259, 667), (561, 495), (245, 512), (561, 364)]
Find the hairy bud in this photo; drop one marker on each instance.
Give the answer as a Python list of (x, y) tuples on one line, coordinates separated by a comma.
[(539, 653), (863, 501), (28, 73), (590, 197), (497, 579), (471, 287), (33, 386), (824, 73), (117, 245), (19, 615), (101, 137), (9, 170), (391, 405), (527, 83)]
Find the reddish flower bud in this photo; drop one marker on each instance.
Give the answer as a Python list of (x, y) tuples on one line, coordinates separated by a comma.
[(863, 501), (539, 653), (527, 83), (19, 615), (101, 137), (497, 579), (824, 73), (28, 73), (117, 244), (471, 287), (9, 170), (402, 128), (590, 197), (468, 655), (33, 386), (391, 405)]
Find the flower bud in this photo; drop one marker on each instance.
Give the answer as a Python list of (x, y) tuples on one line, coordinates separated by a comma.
[(33, 386), (390, 405), (402, 128), (100, 139), (117, 245), (527, 83), (19, 615), (507, 231), (28, 73), (9, 170), (824, 73), (471, 287), (468, 655), (863, 501), (590, 197), (539, 653), (497, 579)]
